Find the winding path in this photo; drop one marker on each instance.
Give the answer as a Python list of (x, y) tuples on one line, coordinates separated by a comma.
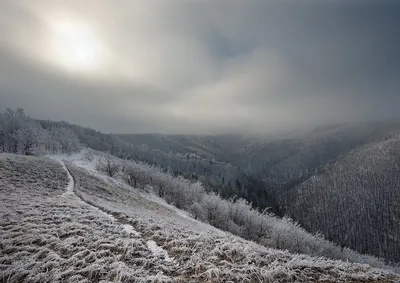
[(70, 187), (156, 250)]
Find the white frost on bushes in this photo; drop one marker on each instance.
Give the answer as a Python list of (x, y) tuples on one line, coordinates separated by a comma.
[(157, 251), (235, 216), (48, 238)]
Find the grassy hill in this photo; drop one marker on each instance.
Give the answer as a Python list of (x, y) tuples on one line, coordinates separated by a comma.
[(339, 180), (101, 230), (271, 170)]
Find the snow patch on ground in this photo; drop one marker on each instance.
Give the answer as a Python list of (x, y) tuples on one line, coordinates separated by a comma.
[(158, 251), (130, 230)]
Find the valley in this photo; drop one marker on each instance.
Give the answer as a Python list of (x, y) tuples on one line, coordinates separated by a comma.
[(341, 168), (50, 233)]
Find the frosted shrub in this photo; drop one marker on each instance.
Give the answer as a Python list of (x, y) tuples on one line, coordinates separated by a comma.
[(236, 215), (109, 166), (88, 155)]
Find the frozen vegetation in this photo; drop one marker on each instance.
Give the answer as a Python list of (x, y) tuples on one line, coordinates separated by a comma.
[(46, 236), (107, 231), (338, 180), (235, 215), (22, 135)]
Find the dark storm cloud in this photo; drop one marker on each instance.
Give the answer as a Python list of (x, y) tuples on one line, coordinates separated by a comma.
[(195, 67)]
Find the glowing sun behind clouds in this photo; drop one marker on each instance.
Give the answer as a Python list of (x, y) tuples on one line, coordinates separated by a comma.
[(74, 45)]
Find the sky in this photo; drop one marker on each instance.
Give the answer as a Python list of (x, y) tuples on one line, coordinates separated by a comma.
[(201, 66)]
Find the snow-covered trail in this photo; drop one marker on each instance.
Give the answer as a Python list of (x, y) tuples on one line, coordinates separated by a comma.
[(69, 192), (70, 187), (152, 246)]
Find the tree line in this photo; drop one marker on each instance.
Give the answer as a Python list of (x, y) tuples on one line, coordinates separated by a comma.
[(22, 135)]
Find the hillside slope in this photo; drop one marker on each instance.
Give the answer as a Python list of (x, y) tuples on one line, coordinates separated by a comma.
[(268, 170), (99, 230), (356, 200), (340, 181)]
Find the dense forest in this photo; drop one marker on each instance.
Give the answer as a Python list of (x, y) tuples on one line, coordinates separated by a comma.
[(358, 199)]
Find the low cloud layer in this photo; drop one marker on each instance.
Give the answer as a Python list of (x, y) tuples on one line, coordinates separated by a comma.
[(200, 66)]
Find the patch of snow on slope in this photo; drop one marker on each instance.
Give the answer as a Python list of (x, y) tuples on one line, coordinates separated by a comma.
[(130, 230), (158, 251)]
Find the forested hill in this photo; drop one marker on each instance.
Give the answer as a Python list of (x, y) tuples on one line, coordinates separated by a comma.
[(204, 158), (355, 201), (285, 172)]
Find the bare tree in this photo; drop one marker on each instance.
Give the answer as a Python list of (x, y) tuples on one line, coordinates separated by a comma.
[(109, 166), (60, 139), (69, 141), (12, 120), (131, 175), (29, 137)]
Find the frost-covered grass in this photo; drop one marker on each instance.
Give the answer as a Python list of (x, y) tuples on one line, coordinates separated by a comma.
[(34, 175), (47, 237), (235, 216), (105, 231), (206, 254)]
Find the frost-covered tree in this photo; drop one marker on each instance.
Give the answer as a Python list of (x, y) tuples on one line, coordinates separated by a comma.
[(135, 175), (12, 121), (69, 141), (21, 134), (235, 215), (29, 138), (109, 166), (61, 140), (51, 140)]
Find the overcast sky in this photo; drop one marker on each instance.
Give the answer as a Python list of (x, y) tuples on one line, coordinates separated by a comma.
[(200, 66)]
